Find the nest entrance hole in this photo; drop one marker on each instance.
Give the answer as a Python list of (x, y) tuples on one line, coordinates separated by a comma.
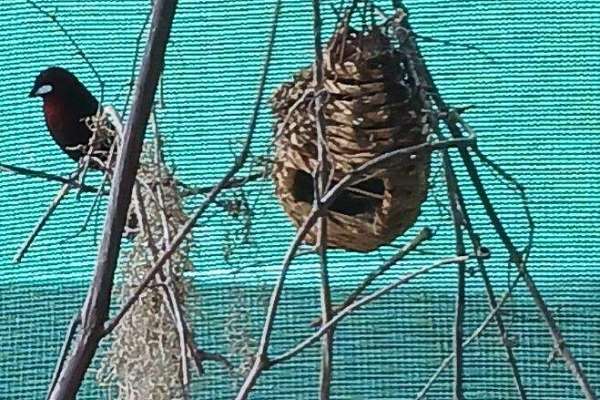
[(363, 199)]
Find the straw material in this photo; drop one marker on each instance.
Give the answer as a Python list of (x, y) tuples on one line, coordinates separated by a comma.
[(371, 107)]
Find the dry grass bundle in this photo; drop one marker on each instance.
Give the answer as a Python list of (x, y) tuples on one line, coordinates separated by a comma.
[(148, 355), (371, 106), (238, 334)]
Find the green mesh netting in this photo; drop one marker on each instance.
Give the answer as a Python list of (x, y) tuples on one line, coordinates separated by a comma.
[(537, 104)]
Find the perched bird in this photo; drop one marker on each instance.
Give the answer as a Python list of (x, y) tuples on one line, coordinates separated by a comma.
[(67, 104)]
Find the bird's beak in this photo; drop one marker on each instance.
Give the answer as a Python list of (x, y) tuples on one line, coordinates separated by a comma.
[(40, 91)]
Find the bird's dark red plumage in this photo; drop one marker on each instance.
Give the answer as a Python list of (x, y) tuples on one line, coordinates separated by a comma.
[(67, 102)]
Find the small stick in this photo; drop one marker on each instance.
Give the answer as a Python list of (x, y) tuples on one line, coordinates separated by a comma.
[(176, 315), (198, 355), (84, 162), (49, 177), (105, 176), (511, 359), (362, 302), (134, 60), (42, 222), (261, 359), (232, 184), (175, 306), (423, 235), (494, 313), (169, 296)]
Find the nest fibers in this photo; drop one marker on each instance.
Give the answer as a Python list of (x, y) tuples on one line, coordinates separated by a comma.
[(144, 360), (371, 106)]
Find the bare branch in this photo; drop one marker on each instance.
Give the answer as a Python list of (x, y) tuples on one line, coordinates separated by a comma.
[(134, 61), (511, 359), (493, 314), (96, 306), (232, 184), (42, 222), (458, 222), (423, 235), (363, 301), (261, 360), (49, 177)]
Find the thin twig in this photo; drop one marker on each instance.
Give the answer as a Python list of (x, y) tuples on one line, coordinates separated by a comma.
[(560, 344), (232, 184), (511, 181), (134, 61), (42, 222), (493, 314), (176, 309), (423, 235), (84, 162), (176, 313), (261, 359), (49, 177), (198, 355), (169, 297), (362, 302), (105, 177)]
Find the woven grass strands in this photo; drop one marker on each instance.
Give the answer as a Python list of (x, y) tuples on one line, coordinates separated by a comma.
[(372, 106)]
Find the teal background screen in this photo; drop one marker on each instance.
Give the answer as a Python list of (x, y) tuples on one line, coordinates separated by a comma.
[(535, 86)]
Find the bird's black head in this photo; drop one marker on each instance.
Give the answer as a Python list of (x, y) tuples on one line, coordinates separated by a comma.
[(55, 80)]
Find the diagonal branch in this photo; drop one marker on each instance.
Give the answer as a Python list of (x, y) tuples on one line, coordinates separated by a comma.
[(49, 177), (362, 302), (493, 314), (42, 222), (512, 361), (96, 307), (423, 235)]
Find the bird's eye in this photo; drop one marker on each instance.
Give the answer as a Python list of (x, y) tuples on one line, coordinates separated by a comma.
[(44, 89)]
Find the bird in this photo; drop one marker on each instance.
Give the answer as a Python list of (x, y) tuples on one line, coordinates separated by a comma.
[(66, 105)]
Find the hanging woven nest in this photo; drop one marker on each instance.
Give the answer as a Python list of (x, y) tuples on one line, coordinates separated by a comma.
[(371, 106)]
